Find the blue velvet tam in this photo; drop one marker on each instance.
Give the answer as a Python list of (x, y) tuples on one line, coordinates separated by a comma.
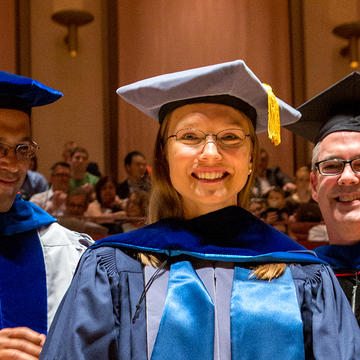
[(231, 83), (335, 109), (22, 93)]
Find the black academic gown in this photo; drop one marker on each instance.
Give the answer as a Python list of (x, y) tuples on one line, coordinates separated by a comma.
[(96, 317), (345, 261)]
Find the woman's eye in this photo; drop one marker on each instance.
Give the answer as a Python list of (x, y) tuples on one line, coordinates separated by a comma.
[(229, 137), (190, 137)]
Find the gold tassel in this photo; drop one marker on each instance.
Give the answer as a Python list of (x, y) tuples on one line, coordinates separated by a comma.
[(273, 117)]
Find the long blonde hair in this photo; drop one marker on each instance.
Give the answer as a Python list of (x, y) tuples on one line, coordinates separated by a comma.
[(165, 201)]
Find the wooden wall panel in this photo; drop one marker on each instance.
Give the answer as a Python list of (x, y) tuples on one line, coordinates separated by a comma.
[(161, 36), (7, 36)]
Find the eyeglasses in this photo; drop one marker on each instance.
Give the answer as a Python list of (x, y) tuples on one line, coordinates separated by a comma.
[(336, 166), (227, 138), (22, 151)]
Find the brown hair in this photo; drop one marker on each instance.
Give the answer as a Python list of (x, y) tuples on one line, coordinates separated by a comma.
[(165, 201)]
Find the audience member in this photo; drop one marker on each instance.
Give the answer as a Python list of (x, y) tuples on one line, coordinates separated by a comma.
[(79, 176), (38, 257), (107, 202), (257, 206), (332, 121), (53, 200), (267, 177), (76, 205), (275, 213), (107, 208), (138, 178), (302, 194), (34, 183), (318, 233), (68, 147), (136, 210)]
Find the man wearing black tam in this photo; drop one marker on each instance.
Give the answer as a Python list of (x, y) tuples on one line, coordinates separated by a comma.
[(332, 121), (37, 256)]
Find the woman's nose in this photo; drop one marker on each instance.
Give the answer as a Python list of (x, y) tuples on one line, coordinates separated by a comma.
[(210, 150)]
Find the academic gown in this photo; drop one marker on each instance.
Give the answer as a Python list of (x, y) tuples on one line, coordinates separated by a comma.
[(345, 261), (117, 308), (38, 258)]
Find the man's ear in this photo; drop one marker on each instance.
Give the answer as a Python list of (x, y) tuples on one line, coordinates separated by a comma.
[(314, 183)]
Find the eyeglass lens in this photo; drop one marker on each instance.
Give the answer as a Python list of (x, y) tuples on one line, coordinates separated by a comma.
[(22, 151), (227, 137), (336, 166)]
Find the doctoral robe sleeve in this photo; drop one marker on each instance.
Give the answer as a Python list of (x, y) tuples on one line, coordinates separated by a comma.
[(330, 328), (94, 319)]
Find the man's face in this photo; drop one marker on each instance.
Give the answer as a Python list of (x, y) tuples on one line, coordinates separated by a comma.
[(137, 167), (79, 162), (76, 205), (339, 195), (60, 178), (14, 130)]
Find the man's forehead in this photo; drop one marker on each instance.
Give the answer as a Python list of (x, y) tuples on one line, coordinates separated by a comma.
[(14, 123), (138, 159), (340, 141), (62, 169)]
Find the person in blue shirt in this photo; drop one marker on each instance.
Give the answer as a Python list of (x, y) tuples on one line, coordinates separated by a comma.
[(206, 279)]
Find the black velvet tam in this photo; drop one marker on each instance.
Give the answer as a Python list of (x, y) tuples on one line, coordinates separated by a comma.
[(335, 109)]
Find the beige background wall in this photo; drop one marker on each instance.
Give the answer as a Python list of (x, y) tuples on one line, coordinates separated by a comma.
[(78, 115), (7, 36), (324, 64), (160, 36)]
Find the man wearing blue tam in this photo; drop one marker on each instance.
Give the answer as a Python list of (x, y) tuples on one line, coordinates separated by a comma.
[(37, 256), (332, 121), (206, 279)]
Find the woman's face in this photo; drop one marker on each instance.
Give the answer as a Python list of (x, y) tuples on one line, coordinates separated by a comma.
[(207, 176), (107, 193)]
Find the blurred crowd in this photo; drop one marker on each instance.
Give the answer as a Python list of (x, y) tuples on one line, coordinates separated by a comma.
[(84, 200), (286, 203)]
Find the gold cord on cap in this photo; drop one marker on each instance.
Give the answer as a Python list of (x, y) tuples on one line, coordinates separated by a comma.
[(273, 116)]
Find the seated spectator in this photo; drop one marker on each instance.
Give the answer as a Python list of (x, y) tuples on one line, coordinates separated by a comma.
[(275, 213), (138, 176), (107, 209), (68, 147), (267, 177), (136, 210), (79, 176), (302, 193), (306, 216), (76, 204), (308, 212), (107, 201), (257, 206), (53, 200), (34, 182), (318, 233)]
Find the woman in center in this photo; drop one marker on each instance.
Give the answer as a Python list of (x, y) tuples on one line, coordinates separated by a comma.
[(206, 279)]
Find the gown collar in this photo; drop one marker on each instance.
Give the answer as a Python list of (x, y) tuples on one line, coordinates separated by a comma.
[(227, 234), (23, 216), (340, 256)]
